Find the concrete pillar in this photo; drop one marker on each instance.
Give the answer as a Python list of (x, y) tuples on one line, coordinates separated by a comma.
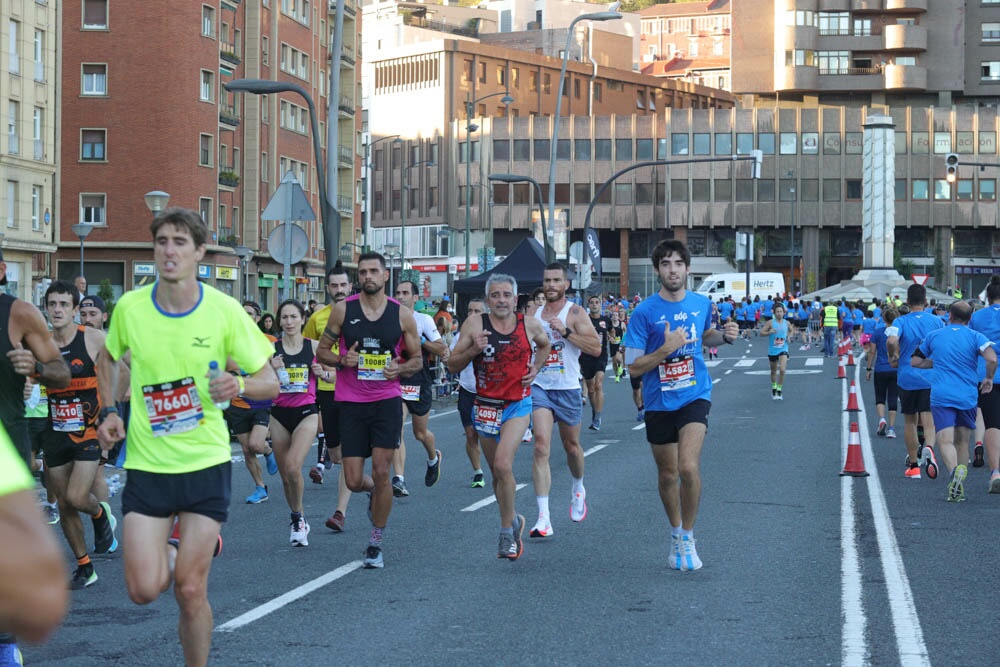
[(878, 211), (623, 286)]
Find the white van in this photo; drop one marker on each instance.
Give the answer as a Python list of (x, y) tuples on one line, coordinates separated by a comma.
[(719, 285)]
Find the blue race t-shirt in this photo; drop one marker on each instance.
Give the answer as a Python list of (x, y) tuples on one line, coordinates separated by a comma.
[(777, 342), (682, 377), (881, 353), (987, 322), (955, 352), (767, 308), (725, 310), (868, 325), (911, 329)]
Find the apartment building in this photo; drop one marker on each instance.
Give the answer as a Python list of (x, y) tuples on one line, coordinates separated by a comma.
[(690, 41), (29, 83), (127, 129)]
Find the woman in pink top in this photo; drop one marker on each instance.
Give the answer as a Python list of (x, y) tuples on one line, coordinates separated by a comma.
[(294, 416)]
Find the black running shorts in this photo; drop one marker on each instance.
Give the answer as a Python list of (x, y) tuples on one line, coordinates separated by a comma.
[(204, 492), (466, 401), (329, 412), (990, 405), (242, 420), (365, 426), (664, 428), (422, 405), (591, 366), (913, 401)]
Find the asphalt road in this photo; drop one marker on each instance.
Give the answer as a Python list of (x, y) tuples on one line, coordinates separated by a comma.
[(802, 566)]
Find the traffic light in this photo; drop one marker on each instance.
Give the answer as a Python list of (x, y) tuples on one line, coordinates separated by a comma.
[(951, 162)]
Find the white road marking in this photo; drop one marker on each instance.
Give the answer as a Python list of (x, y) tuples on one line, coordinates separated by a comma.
[(728, 372), (814, 361), (713, 363), (594, 449), (788, 371), (291, 596), (716, 380), (905, 620), (639, 427), (745, 363), (488, 501)]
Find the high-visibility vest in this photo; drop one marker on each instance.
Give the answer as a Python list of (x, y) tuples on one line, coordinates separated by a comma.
[(830, 316)]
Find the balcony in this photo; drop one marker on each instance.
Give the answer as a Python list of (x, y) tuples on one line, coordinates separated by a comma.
[(798, 77), (905, 38), (229, 116), (801, 37), (834, 5), (905, 77), (226, 236), (906, 5), (350, 6), (347, 54), (345, 154), (866, 5), (228, 53), (469, 29), (345, 204), (852, 78), (346, 105), (228, 177)]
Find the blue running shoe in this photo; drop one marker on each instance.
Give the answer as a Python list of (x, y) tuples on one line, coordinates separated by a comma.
[(272, 464), (10, 656), (258, 496)]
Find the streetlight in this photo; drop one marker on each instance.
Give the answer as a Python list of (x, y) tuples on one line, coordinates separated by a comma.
[(347, 255), (404, 203), (791, 248), (515, 178), (81, 230), (329, 215), (554, 141), (368, 184), (156, 200), (244, 253), (470, 127), (391, 251)]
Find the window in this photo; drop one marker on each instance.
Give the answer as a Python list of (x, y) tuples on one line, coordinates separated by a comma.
[(701, 189), (598, 92), (542, 148), (265, 48), (501, 75), (515, 78), (963, 190), (702, 143), (987, 189), (988, 143), (13, 56), (582, 150), (95, 14), (36, 208), (432, 197), (562, 149), (744, 189), (207, 21), (205, 150), (852, 188), (661, 149), (501, 149), (623, 193), (92, 144), (765, 142), (919, 189), (482, 72), (12, 197), (765, 190), (39, 49), (990, 70), (533, 81), (522, 150), (965, 142), (679, 189), (678, 144), (991, 32), (831, 143), (207, 86), (831, 189), (723, 144), (810, 143), (809, 189), (92, 209), (744, 143), (643, 149), (13, 121), (623, 150), (643, 193), (264, 168), (901, 189), (602, 149), (723, 189), (581, 194), (205, 209), (37, 128), (788, 143), (95, 80), (546, 83), (942, 190)]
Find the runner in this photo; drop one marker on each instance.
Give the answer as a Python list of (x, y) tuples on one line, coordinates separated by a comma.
[(248, 420), (466, 401), (339, 287), (417, 397), (557, 392), (663, 345), (72, 451), (617, 332), (779, 331), (952, 353), (373, 331), (592, 367), (178, 446), (33, 593), (499, 344), (987, 321), (902, 338), (885, 375)]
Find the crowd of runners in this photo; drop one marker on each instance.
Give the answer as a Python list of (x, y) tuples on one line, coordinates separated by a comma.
[(183, 368)]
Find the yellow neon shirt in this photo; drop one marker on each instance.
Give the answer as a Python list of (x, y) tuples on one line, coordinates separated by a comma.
[(314, 329), (174, 427), (14, 475)]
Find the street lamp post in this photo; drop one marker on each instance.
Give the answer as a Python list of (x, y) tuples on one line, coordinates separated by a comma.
[(516, 178), (368, 184), (791, 247), (554, 141), (404, 204), (470, 127), (391, 253), (244, 253), (82, 230), (329, 215)]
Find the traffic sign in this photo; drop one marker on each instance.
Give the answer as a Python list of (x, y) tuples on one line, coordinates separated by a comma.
[(920, 278)]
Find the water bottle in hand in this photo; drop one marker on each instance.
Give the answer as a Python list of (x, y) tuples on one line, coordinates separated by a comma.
[(213, 372), (284, 379)]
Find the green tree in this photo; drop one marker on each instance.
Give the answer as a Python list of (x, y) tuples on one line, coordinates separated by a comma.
[(107, 295)]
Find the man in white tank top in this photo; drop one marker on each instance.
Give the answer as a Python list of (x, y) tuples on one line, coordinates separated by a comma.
[(556, 393)]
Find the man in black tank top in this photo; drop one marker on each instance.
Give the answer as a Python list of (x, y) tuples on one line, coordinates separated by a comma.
[(375, 331)]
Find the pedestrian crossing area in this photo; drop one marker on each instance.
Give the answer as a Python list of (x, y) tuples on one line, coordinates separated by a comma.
[(793, 362)]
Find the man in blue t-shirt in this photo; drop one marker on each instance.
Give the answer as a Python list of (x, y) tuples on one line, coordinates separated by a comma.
[(987, 321), (663, 344), (902, 338), (952, 354)]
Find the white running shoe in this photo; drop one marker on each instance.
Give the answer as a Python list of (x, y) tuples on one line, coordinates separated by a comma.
[(578, 506), (689, 555), (300, 533), (543, 528), (674, 558)]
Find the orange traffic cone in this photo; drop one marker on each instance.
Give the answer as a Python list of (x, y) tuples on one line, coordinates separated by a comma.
[(855, 464), (850, 356), (841, 371), (852, 399)]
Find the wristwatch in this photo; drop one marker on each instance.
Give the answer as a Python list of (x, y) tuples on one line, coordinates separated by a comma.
[(567, 333), (103, 414)]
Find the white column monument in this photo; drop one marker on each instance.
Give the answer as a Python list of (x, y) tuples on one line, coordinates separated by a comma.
[(879, 197)]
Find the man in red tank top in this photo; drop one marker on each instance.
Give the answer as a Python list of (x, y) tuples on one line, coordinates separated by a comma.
[(499, 345)]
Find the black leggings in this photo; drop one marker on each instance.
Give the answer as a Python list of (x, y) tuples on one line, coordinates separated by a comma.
[(885, 390)]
